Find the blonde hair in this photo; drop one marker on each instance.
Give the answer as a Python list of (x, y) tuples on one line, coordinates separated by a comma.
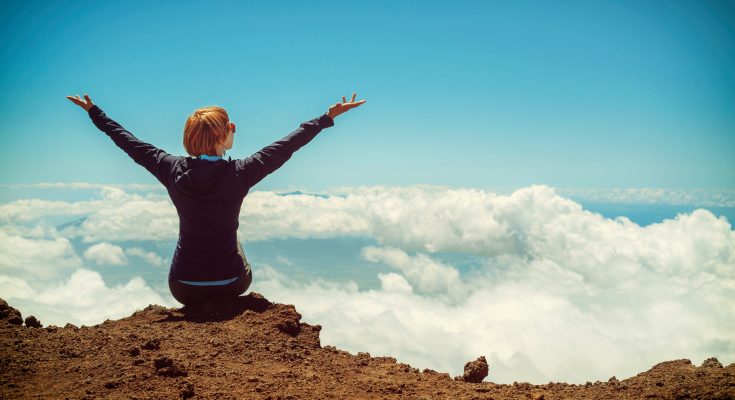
[(205, 128)]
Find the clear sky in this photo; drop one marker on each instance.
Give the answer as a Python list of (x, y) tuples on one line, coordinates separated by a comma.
[(595, 94)]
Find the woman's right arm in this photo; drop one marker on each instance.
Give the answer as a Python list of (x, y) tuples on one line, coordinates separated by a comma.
[(256, 167), (259, 165)]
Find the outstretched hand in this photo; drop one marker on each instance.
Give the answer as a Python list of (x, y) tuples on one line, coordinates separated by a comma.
[(86, 104), (344, 106)]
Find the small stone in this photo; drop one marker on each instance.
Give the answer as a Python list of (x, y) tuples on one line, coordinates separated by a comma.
[(475, 371), (291, 328), (186, 391), (153, 344), (168, 367), (33, 322), (162, 362), (711, 362), (112, 384)]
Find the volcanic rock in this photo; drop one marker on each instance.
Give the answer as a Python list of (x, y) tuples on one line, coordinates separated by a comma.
[(475, 371), (10, 314), (711, 363), (32, 322)]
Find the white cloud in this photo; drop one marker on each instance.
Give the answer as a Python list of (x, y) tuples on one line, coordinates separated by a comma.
[(85, 299), (118, 215), (40, 231), (106, 254), (694, 197), (561, 294), (130, 217), (149, 256), (36, 259), (284, 260), (46, 278), (428, 275), (394, 283), (579, 296), (15, 288)]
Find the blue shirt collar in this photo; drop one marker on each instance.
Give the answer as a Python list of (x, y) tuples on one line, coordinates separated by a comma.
[(210, 158)]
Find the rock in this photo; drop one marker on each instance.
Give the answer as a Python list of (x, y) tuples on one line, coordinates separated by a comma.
[(288, 320), (153, 344), (32, 322), (112, 384), (475, 371), (186, 391), (168, 367), (10, 314), (711, 362)]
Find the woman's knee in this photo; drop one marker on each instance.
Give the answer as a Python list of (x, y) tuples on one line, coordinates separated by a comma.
[(182, 294)]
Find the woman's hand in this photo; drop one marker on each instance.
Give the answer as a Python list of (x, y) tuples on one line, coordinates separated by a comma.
[(342, 107), (86, 105)]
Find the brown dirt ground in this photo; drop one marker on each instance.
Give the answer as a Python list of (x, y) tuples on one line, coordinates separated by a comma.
[(254, 349)]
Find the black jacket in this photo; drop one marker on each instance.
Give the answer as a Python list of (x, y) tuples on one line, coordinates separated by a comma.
[(208, 194)]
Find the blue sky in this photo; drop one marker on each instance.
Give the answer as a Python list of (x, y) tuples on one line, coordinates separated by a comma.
[(481, 94)]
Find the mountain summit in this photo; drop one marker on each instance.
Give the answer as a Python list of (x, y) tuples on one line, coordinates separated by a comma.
[(255, 349)]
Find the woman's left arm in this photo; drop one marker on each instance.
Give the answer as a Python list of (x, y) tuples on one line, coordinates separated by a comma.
[(156, 161)]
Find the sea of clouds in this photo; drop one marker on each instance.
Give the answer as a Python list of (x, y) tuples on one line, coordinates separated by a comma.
[(562, 293)]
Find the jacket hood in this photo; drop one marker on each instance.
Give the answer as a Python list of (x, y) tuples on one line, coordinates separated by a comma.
[(199, 177)]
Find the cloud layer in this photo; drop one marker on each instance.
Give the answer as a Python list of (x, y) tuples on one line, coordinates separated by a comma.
[(561, 293)]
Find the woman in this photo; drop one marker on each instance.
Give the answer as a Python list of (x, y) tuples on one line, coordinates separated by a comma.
[(208, 191)]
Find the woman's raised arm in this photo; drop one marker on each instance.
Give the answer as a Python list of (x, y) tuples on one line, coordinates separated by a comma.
[(256, 167), (156, 161)]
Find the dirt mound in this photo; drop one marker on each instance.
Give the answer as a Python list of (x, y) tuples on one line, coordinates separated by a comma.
[(252, 348)]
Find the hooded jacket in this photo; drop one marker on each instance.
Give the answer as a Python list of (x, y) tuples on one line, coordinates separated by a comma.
[(208, 194)]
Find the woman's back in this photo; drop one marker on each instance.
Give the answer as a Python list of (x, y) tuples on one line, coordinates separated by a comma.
[(208, 196)]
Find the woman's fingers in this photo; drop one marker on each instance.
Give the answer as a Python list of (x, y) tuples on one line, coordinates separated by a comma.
[(74, 100), (355, 104), (339, 108), (85, 104)]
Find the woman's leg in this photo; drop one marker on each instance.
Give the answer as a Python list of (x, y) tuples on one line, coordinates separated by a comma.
[(196, 295), (246, 277), (193, 294), (188, 295)]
